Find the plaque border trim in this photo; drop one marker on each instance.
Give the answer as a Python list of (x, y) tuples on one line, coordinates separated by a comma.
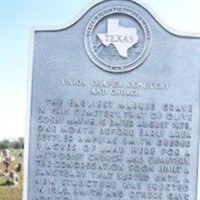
[(28, 116), (65, 26)]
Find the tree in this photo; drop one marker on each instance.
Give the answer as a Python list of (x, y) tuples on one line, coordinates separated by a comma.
[(5, 144)]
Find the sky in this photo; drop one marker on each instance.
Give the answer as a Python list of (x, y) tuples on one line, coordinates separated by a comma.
[(17, 18)]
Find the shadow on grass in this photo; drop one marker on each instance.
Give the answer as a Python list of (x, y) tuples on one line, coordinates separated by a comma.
[(6, 185)]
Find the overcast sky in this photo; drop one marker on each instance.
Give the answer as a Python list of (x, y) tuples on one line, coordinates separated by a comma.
[(17, 18)]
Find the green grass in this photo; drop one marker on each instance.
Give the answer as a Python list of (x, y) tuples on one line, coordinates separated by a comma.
[(12, 192)]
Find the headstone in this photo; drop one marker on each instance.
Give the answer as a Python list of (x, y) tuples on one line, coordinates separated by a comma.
[(114, 109)]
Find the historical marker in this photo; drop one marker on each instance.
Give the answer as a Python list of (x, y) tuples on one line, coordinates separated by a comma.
[(114, 109)]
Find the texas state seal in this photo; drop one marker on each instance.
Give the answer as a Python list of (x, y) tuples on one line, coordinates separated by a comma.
[(118, 39)]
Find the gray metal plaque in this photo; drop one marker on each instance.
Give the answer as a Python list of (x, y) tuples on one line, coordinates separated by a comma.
[(114, 112)]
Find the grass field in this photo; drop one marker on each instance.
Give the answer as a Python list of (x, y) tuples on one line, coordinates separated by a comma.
[(12, 192)]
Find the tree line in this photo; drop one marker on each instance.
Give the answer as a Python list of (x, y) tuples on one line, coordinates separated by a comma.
[(12, 144)]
